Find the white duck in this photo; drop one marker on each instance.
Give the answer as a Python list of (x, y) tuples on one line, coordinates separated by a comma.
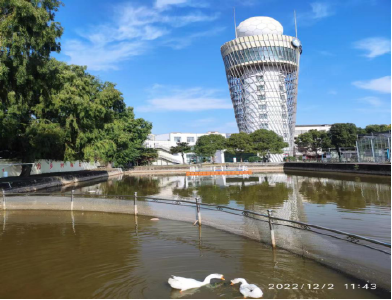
[(182, 284), (248, 290)]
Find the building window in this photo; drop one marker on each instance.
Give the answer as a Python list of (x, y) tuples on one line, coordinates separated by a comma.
[(263, 116), (285, 135), (190, 139), (260, 87), (264, 126), (281, 88), (261, 97), (284, 116), (283, 107), (177, 139), (263, 106), (259, 77), (282, 97)]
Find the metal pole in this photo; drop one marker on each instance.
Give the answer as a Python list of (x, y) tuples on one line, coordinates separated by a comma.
[(198, 215), (72, 199), (371, 143), (271, 228), (359, 159), (4, 200), (134, 203)]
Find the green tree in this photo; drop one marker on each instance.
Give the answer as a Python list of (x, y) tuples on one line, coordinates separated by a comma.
[(207, 145), (52, 110), (313, 140), (343, 135), (377, 128), (239, 143), (28, 34), (267, 141), (182, 147), (147, 156)]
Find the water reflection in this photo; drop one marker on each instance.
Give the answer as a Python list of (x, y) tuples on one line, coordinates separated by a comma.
[(346, 194), (347, 202)]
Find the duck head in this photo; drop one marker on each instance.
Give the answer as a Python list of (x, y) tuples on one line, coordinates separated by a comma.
[(238, 280)]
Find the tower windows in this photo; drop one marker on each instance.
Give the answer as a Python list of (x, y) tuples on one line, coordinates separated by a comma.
[(261, 97), (263, 116)]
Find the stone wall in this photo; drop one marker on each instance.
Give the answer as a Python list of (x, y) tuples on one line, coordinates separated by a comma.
[(360, 168)]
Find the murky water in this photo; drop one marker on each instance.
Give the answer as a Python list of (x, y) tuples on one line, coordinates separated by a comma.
[(55, 254), (356, 204)]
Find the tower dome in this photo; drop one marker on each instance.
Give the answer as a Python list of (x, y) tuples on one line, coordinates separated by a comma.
[(259, 26)]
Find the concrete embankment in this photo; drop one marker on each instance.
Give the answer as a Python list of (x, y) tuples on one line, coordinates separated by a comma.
[(359, 168), (182, 169), (48, 180)]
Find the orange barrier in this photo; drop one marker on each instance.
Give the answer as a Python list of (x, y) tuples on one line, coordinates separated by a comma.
[(218, 173)]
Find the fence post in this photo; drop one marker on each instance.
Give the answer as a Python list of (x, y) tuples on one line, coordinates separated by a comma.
[(3, 200), (135, 204), (271, 228), (198, 212), (72, 199)]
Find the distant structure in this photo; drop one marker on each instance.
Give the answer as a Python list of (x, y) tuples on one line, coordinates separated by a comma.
[(262, 72)]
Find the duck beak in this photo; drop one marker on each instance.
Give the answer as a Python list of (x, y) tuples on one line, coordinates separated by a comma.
[(223, 278), (231, 283)]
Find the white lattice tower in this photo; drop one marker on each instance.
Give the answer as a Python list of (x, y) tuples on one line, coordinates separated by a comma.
[(262, 72)]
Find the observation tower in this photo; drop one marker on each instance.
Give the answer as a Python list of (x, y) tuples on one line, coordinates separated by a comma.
[(262, 72)]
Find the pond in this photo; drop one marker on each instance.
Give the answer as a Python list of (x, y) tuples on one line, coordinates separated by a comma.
[(62, 254), (355, 204)]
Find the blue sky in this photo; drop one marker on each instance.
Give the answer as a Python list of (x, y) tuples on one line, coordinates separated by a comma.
[(164, 56)]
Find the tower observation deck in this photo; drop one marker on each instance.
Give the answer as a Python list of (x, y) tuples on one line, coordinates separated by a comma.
[(262, 72)]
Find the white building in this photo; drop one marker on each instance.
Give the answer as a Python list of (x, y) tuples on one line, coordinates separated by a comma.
[(299, 129), (262, 72), (163, 143)]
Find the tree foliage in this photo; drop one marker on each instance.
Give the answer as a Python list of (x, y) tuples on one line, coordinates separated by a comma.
[(343, 135), (51, 110), (239, 143), (207, 145), (313, 140), (267, 141), (182, 147)]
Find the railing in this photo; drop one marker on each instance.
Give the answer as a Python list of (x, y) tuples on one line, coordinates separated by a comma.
[(217, 168), (196, 203)]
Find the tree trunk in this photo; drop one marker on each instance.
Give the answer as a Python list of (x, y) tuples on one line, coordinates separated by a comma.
[(109, 165), (183, 160), (26, 170)]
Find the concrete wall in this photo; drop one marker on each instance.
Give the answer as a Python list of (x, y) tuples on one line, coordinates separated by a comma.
[(376, 169), (45, 166)]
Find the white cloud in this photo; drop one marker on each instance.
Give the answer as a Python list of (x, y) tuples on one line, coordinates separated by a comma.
[(374, 101), (326, 53), (374, 46), (165, 99), (131, 31), (318, 11), (182, 42), (165, 3), (381, 85), (321, 10)]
